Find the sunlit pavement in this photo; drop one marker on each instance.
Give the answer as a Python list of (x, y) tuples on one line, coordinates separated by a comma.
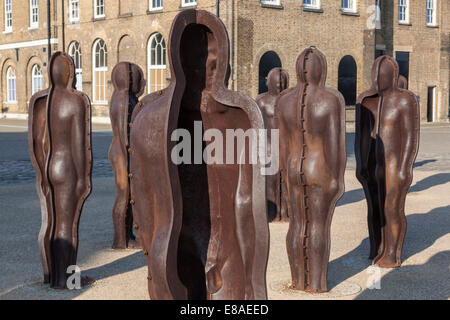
[(122, 274)]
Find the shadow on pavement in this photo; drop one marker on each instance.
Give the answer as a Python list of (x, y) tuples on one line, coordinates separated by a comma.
[(431, 181), (415, 282), (422, 232)]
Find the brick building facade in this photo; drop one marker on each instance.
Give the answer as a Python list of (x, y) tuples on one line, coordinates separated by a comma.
[(263, 34)]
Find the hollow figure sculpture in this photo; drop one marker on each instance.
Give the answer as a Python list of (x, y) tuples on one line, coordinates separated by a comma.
[(386, 145), (277, 81), (201, 222), (312, 149), (59, 139), (129, 84)]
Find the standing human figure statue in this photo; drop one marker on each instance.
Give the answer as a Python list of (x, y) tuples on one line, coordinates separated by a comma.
[(277, 81), (402, 82), (59, 139), (129, 84), (312, 149), (201, 222), (386, 145)]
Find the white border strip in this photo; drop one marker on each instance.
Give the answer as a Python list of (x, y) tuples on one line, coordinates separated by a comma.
[(26, 44)]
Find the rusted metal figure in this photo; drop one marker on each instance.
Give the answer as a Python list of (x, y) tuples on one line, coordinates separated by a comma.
[(277, 81), (59, 139), (202, 226), (312, 149), (386, 145), (129, 84), (402, 82)]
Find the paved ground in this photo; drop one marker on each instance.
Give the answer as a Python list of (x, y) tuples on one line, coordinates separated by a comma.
[(425, 273)]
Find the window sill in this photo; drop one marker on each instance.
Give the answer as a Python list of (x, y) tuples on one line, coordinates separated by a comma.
[(272, 6), (100, 103), (315, 10), (100, 18), (350, 13), (125, 15), (11, 102), (190, 6), (7, 32), (407, 24), (433, 26), (33, 28), (74, 21), (151, 11)]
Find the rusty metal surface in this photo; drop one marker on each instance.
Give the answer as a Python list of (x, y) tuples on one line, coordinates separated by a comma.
[(203, 227), (386, 145), (312, 149), (277, 81), (402, 82), (59, 139), (129, 84)]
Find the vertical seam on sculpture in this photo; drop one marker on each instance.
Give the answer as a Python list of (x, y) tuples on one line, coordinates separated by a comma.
[(301, 116)]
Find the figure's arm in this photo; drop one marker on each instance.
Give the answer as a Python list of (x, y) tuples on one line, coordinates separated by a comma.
[(362, 140), (409, 127), (81, 149)]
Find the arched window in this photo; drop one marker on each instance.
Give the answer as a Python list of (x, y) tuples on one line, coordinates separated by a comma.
[(99, 55), (347, 78), (11, 85), (268, 61), (75, 53), (37, 80), (157, 70)]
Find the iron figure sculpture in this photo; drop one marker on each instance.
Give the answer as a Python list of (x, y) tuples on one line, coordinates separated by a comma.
[(386, 145), (277, 81), (59, 139), (312, 149), (129, 84), (202, 225)]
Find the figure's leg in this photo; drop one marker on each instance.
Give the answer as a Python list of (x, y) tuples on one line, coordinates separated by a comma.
[(284, 204), (120, 209), (321, 203), (393, 198), (295, 236), (64, 242)]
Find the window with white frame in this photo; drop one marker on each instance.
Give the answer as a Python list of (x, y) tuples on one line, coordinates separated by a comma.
[(315, 4), (271, 2), (100, 55), (186, 3), (75, 53), (99, 8), (37, 79), (157, 69), (403, 11), (349, 5), (156, 4), (11, 85), (378, 11), (34, 13), (8, 15), (74, 10), (431, 12)]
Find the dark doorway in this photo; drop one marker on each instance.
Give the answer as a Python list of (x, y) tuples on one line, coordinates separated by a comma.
[(431, 104), (268, 61), (347, 78), (403, 63)]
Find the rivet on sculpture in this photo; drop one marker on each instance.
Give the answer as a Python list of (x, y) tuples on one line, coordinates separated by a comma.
[(202, 226), (129, 84), (312, 149), (277, 81), (59, 139), (386, 145)]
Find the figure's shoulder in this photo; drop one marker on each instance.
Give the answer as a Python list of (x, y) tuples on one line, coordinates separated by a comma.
[(38, 95), (286, 95)]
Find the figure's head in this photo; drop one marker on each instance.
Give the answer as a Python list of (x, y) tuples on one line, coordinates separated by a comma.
[(128, 76), (199, 49), (385, 74), (61, 70), (402, 82), (277, 80), (137, 80), (312, 67)]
